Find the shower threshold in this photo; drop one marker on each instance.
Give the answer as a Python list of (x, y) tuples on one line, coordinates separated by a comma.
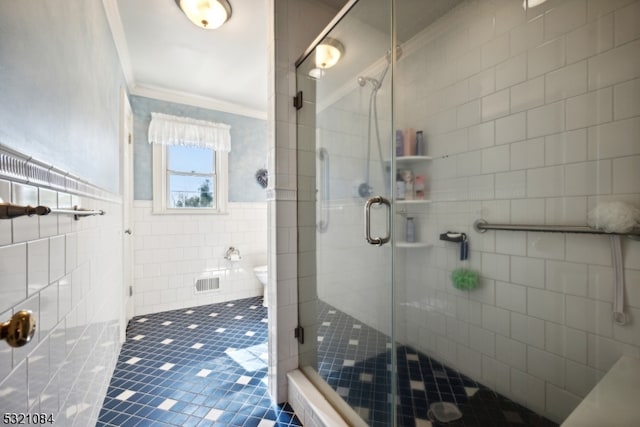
[(354, 360)]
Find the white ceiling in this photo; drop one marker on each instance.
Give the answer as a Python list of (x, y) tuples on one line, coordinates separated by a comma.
[(165, 56)]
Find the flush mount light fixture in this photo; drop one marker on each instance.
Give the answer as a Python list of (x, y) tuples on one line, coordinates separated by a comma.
[(207, 14), (328, 53), (528, 4)]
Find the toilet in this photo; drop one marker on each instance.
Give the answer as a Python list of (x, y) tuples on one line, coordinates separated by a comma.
[(263, 276)]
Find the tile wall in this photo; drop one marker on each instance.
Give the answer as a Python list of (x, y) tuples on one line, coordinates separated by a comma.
[(69, 274), (532, 117), (172, 251)]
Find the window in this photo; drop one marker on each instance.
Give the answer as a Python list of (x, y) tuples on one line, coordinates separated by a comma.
[(189, 174)]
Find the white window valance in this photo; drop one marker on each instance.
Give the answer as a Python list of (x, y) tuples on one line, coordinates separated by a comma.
[(173, 130)]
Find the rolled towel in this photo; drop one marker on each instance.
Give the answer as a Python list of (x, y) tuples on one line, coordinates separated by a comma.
[(614, 217)]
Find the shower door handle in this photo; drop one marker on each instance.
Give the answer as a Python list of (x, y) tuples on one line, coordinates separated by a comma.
[(377, 200)]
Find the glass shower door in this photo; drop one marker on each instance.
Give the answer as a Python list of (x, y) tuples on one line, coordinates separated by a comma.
[(345, 176)]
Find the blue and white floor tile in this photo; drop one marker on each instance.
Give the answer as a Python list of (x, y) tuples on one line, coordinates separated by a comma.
[(202, 366)]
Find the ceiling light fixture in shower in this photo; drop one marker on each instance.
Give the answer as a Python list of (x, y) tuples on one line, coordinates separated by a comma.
[(328, 53), (528, 4), (207, 14)]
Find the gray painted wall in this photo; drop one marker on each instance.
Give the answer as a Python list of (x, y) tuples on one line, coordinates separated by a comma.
[(59, 87), (248, 147)]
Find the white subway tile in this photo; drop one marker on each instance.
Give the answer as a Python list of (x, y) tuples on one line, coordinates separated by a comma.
[(511, 243), (626, 174), (627, 24), (481, 187), (546, 366), (546, 305), (568, 16), (601, 282), (485, 292), (545, 182), (566, 147), (546, 245), (615, 66), (25, 228), (469, 64), (495, 51), (589, 315), (496, 375), (495, 266), (527, 329), (13, 275), (510, 184), (512, 71), (546, 120), (604, 352), (37, 265), (481, 29), (588, 178), (495, 159), (508, 16), (495, 319), (566, 342), (38, 370), (588, 249), (527, 95), (560, 403), (481, 136), (527, 154), (468, 114), (482, 340), (528, 36), (511, 128), (566, 277), (56, 258), (482, 84), (511, 352), (527, 271), (614, 139), (596, 8), (566, 82), (528, 390), (626, 100), (591, 39), (590, 109), (48, 309), (48, 223), (566, 211), (627, 333), (546, 57), (512, 297), (469, 361), (633, 292), (495, 105), (14, 390), (580, 378)]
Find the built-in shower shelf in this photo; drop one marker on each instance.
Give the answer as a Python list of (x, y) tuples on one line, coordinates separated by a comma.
[(411, 159), (413, 202), (413, 244)]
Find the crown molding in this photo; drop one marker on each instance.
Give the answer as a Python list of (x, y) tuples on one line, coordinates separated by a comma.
[(196, 101)]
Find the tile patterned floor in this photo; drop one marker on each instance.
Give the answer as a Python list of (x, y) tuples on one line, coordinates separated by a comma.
[(356, 361), (203, 366)]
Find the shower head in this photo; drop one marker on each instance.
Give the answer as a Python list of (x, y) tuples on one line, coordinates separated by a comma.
[(363, 80)]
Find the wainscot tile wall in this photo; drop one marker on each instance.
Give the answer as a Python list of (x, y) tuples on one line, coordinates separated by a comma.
[(69, 274), (172, 251)]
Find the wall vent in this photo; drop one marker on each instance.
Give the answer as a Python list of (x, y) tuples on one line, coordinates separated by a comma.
[(207, 284)]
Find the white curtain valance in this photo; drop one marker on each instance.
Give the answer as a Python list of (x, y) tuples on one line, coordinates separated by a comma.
[(173, 130)]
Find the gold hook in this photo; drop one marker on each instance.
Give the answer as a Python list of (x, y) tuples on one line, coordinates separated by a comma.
[(19, 330)]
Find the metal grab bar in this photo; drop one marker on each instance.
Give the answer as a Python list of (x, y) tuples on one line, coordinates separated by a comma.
[(9, 211), (482, 226), (323, 224)]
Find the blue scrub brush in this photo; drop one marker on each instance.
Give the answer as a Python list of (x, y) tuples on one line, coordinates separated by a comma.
[(464, 279)]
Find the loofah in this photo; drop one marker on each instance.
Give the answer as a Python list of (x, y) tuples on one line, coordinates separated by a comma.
[(614, 217), (464, 279)]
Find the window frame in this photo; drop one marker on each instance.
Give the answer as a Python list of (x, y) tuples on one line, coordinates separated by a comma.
[(161, 184)]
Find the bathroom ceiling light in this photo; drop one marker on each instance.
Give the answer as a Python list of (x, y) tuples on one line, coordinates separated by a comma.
[(528, 4), (328, 53), (207, 14)]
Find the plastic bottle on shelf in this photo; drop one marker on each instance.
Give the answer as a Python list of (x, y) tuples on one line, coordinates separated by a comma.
[(400, 187), (399, 143), (419, 143), (411, 230)]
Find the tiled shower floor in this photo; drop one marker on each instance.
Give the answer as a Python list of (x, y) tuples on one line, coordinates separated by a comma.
[(204, 366), (355, 360)]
